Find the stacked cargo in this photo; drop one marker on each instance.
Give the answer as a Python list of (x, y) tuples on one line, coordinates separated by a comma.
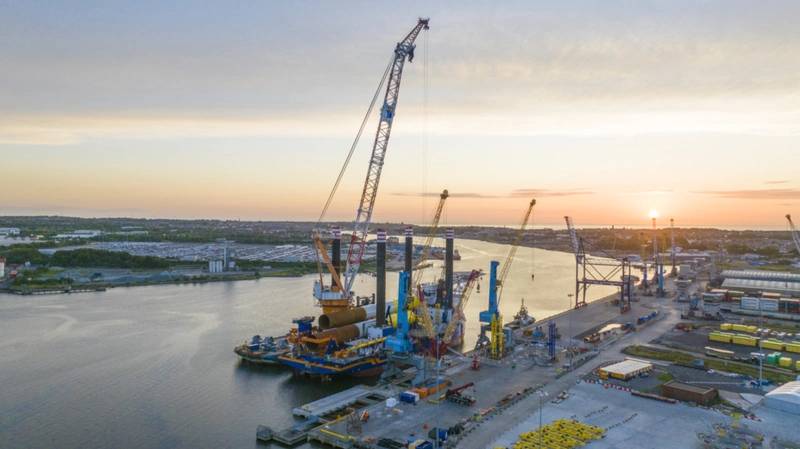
[(793, 347)]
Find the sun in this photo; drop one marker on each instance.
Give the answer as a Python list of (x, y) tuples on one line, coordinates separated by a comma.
[(653, 213)]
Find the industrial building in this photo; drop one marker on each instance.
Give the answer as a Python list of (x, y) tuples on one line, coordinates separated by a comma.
[(627, 369), (688, 393), (761, 275), (756, 285), (785, 398)]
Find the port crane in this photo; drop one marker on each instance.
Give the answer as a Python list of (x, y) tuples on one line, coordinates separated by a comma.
[(421, 309), (492, 316), (795, 233), (598, 271), (340, 296)]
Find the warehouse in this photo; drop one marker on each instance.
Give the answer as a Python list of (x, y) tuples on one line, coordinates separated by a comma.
[(761, 275), (625, 370), (785, 398), (756, 286), (688, 393)]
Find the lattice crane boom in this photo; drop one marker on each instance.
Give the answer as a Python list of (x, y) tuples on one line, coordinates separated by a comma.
[(404, 50), (512, 252), (422, 308)]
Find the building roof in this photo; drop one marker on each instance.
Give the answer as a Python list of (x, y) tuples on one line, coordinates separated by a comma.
[(762, 275), (788, 392), (761, 285), (627, 367)]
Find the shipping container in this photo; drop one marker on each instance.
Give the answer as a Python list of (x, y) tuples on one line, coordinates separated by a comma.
[(772, 344), (720, 337), (785, 362), (726, 326), (745, 340), (792, 347)]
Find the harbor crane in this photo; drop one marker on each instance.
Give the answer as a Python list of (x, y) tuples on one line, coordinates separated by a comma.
[(340, 295), (492, 317), (591, 270), (795, 233), (421, 309)]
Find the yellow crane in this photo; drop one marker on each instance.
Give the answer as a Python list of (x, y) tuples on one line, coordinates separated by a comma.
[(492, 316), (458, 312), (418, 303)]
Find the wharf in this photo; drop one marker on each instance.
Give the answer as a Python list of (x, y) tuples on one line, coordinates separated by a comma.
[(360, 395)]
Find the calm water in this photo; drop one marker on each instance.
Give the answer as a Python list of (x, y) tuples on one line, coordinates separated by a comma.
[(153, 367)]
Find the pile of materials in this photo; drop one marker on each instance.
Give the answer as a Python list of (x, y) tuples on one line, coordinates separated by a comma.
[(560, 434)]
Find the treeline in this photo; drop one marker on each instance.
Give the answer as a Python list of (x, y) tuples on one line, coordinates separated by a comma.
[(84, 257)]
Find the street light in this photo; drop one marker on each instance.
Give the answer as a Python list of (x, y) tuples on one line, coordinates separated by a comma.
[(569, 330), (542, 394)]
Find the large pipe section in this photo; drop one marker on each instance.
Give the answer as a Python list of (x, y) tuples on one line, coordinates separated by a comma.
[(343, 334), (380, 288), (336, 252), (448, 267), (347, 316)]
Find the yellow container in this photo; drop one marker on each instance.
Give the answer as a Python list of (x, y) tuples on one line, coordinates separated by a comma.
[(745, 340), (726, 326), (720, 336), (772, 344), (785, 362), (793, 347)]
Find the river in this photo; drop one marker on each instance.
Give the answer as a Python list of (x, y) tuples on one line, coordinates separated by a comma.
[(153, 367)]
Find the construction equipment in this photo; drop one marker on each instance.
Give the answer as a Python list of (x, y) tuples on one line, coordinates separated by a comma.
[(457, 395), (591, 270), (492, 316), (342, 296), (795, 233), (458, 313), (417, 296)]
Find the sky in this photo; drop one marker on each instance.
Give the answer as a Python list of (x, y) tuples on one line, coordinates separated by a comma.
[(602, 110)]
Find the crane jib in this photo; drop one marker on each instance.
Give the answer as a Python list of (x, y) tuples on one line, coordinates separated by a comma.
[(403, 50)]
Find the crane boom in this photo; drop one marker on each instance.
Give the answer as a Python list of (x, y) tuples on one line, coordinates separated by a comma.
[(458, 313), (506, 267), (404, 50), (422, 307), (795, 233)]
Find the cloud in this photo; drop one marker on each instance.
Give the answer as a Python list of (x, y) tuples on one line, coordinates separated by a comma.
[(783, 181), (451, 194), (541, 193), (763, 194)]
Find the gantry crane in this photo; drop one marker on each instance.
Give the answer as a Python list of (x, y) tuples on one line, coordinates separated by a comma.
[(492, 317), (598, 271), (340, 295), (794, 232)]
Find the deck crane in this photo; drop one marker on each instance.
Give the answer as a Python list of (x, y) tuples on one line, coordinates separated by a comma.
[(795, 233), (418, 298), (341, 296), (458, 312), (492, 316)]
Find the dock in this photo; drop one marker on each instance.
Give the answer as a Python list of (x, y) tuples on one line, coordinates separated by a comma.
[(360, 396)]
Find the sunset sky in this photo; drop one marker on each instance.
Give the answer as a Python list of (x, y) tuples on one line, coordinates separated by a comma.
[(602, 110)]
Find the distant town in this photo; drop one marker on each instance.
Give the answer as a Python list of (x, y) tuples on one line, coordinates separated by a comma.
[(62, 253)]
